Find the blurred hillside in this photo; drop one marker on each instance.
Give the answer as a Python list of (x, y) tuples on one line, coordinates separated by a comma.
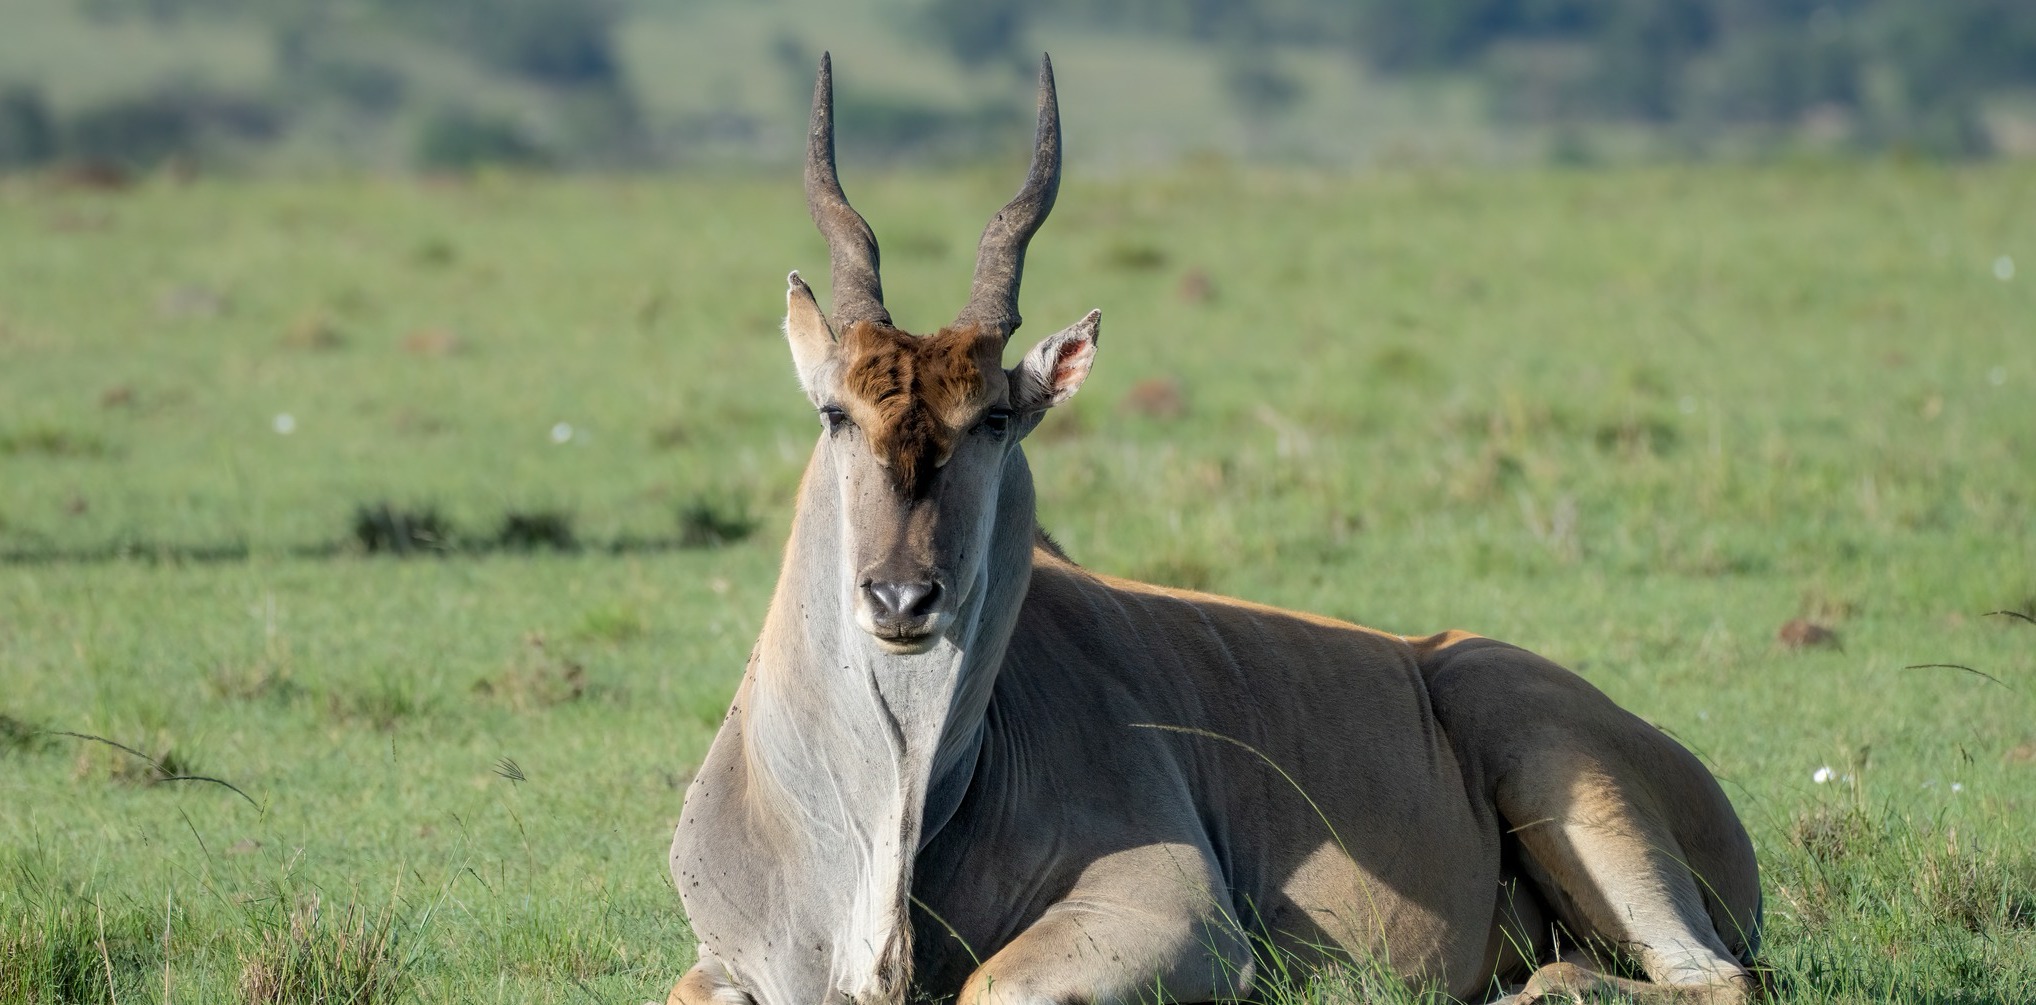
[(309, 86)]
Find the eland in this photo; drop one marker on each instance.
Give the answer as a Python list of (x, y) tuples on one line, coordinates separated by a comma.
[(960, 766)]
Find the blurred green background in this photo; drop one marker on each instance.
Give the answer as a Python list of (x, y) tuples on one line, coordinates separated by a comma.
[(325, 85)]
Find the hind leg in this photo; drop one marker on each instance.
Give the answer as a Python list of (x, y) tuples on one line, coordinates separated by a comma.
[(1619, 882), (1626, 836)]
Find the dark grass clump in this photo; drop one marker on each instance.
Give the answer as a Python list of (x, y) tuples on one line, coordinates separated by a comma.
[(158, 759), (59, 943), (56, 960), (386, 529), (382, 703), (1134, 256), (1638, 437), (1399, 364), (51, 957), (312, 955), (51, 441), (19, 737), (671, 435), (710, 523), (537, 530)]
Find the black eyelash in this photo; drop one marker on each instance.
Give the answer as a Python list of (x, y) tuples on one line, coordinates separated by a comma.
[(835, 418)]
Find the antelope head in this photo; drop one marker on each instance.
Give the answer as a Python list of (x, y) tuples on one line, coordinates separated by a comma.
[(922, 431)]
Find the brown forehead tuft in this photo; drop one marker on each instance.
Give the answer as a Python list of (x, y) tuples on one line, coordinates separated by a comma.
[(912, 393)]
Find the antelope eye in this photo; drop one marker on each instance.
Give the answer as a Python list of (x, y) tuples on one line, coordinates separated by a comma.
[(996, 423), (835, 418)]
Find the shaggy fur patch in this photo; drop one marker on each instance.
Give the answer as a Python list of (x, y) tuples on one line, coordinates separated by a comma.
[(914, 396)]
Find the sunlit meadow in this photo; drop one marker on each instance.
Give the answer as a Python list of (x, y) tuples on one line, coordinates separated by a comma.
[(409, 537)]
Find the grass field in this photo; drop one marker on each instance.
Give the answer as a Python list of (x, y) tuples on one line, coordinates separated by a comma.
[(1635, 421)]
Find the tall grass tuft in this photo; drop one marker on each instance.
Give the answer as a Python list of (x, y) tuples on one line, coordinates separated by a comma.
[(59, 943), (51, 956), (1866, 904), (347, 958)]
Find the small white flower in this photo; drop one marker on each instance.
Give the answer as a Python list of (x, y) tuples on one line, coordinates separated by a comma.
[(1958, 786), (1997, 376), (562, 432), (1823, 775), (284, 423), (2004, 268)]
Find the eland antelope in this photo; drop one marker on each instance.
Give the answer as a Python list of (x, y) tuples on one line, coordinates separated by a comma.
[(960, 766)]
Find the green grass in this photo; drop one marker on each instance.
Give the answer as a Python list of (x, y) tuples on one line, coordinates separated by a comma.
[(1635, 421)]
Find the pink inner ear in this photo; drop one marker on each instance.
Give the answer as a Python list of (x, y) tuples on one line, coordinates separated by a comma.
[(1069, 361)]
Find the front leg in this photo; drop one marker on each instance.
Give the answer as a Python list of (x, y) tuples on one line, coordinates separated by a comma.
[(1144, 924)]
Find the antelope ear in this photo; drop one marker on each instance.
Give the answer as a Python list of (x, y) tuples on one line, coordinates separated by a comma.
[(1055, 368), (806, 330)]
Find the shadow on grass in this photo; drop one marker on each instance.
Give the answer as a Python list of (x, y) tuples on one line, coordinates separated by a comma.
[(384, 529), (210, 553)]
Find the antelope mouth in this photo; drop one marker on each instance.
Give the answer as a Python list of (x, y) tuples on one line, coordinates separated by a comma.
[(906, 640), (903, 636)]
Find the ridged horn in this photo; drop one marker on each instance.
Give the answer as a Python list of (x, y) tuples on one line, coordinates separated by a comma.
[(1000, 257), (851, 246)]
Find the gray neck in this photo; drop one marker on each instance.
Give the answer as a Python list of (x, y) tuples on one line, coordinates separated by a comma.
[(860, 755)]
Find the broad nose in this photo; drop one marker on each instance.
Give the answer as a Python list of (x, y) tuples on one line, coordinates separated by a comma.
[(895, 602)]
